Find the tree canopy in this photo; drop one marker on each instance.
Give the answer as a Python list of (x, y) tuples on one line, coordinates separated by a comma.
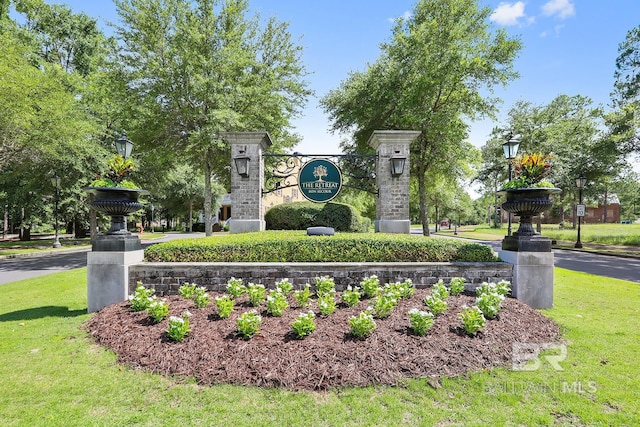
[(195, 69), (431, 76)]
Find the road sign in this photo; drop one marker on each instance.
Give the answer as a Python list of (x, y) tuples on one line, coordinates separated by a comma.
[(580, 210)]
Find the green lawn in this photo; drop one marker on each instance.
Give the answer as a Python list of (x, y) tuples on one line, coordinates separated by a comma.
[(608, 234), (53, 375)]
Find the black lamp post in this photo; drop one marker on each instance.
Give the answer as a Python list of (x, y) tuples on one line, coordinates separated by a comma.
[(455, 227), (580, 183), (124, 146), (510, 149), (55, 181)]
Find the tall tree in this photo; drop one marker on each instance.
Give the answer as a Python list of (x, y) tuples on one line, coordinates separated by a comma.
[(429, 77), (624, 121), (198, 68), (571, 129)]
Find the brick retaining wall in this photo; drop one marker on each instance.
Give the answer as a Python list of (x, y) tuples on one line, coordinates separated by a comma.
[(166, 277)]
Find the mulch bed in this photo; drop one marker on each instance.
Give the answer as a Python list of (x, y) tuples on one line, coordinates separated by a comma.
[(328, 358)]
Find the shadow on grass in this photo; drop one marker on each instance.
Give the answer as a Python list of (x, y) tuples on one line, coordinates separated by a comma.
[(41, 312)]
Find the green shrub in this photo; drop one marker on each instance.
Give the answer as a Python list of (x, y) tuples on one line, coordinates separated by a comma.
[(296, 246), (301, 215)]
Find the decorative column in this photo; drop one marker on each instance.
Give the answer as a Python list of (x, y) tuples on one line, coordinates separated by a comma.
[(392, 179), (247, 178)]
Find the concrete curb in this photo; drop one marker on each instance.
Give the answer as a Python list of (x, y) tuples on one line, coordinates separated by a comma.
[(45, 253)]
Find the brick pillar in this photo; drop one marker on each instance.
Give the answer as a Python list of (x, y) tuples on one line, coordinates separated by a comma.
[(247, 212), (392, 204)]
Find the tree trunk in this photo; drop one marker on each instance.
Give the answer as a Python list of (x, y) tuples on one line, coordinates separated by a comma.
[(191, 217), (207, 196), (424, 219), (93, 219), (5, 228), (604, 213)]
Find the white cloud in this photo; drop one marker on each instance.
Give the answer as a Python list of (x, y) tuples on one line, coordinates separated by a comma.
[(405, 16), (561, 8), (508, 13)]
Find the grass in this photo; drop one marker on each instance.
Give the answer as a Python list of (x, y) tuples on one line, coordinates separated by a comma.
[(605, 234), (52, 374), (15, 247)]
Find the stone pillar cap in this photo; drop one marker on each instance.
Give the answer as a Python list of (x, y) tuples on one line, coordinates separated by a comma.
[(379, 137)]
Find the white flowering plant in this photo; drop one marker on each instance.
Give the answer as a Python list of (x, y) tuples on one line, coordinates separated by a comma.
[(421, 321), (351, 296), (224, 305), (400, 289), (440, 290), (141, 298), (472, 319), (327, 303), (489, 303), (284, 286), (370, 286), (304, 324), (436, 304), (503, 288), (303, 295), (256, 294), (456, 285), (363, 324), (187, 290), (324, 285), (179, 327), (158, 309), (249, 324), (235, 288), (384, 304), (276, 303), (201, 297)]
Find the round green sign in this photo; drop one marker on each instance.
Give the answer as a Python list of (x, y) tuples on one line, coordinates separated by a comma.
[(320, 180)]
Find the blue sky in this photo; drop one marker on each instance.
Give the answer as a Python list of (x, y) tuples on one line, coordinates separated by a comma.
[(569, 47)]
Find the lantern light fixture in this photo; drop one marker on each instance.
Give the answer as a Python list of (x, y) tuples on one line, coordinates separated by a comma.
[(397, 165), (124, 146)]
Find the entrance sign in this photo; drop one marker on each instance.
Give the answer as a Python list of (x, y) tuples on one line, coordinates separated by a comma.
[(580, 210), (320, 180)]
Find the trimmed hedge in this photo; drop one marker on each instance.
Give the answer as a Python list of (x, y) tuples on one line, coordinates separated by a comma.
[(296, 246), (302, 215)]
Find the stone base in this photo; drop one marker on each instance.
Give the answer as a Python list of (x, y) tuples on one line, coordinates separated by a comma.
[(532, 277), (246, 225), (116, 243), (397, 226), (108, 277), (535, 243)]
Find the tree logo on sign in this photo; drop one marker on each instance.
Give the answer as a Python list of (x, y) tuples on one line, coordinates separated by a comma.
[(320, 180)]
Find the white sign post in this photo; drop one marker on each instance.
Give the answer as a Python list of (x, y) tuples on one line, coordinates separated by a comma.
[(580, 210)]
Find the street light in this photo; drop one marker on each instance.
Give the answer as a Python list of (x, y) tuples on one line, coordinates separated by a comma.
[(242, 163), (510, 149), (55, 181), (580, 183), (455, 226), (124, 146), (397, 164)]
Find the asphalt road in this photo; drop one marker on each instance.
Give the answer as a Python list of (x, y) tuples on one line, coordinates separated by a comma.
[(13, 269), (600, 265)]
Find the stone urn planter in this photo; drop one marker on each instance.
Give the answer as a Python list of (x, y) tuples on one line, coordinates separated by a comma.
[(118, 203), (526, 203)]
